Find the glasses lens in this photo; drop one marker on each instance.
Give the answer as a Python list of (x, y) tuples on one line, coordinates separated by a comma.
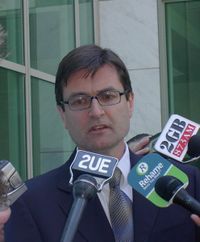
[(79, 102), (109, 98)]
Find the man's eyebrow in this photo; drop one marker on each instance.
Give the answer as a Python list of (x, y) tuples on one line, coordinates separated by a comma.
[(78, 93), (107, 89)]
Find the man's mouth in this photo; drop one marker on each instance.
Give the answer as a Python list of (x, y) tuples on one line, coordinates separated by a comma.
[(98, 128)]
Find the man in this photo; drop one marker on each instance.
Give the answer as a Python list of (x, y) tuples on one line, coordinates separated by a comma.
[(95, 101)]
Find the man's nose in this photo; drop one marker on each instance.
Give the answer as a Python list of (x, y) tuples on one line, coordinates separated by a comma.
[(95, 108)]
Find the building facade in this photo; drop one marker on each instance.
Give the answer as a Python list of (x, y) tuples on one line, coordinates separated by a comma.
[(157, 39)]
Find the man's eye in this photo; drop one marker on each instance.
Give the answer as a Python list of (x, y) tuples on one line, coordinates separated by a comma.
[(79, 101), (108, 96)]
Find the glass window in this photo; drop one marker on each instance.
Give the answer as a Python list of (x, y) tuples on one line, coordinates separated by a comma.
[(183, 55), (11, 21), (51, 143), (86, 22), (12, 119), (52, 33)]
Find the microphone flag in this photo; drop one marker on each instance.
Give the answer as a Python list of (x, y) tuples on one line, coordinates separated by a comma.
[(146, 172), (173, 141)]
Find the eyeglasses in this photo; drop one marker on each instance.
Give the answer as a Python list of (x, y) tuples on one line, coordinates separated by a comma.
[(105, 98)]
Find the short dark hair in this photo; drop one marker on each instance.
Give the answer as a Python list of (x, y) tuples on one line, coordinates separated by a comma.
[(90, 58)]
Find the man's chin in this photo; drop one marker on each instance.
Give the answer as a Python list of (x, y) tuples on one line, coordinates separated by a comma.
[(101, 148)]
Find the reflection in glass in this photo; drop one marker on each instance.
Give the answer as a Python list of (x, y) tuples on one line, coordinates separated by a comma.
[(183, 54), (51, 33), (11, 21), (86, 22)]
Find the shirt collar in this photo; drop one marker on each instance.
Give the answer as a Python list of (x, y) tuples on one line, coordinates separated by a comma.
[(124, 165)]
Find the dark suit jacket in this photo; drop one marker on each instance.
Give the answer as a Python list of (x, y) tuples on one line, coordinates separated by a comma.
[(39, 215)]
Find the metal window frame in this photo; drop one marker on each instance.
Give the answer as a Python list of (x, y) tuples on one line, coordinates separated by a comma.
[(96, 29), (29, 147), (163, 62), (96, 18)]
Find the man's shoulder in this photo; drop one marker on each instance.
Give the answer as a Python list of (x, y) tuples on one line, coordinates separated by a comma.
[(51, 177), (48, 183), (134, 158), (47, 177), (188, 168)]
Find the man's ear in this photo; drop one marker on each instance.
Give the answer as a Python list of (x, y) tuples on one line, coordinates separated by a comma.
[(62, 115), (131, 104)]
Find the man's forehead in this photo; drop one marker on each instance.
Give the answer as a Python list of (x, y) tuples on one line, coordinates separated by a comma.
[(105, 72)]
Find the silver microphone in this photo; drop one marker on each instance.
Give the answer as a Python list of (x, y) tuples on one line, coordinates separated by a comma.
[(11, 185)]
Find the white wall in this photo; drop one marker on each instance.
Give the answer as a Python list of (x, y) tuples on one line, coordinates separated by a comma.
[(129, 27)]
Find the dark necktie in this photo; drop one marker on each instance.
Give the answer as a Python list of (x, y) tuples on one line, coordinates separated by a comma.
[(120, 207)]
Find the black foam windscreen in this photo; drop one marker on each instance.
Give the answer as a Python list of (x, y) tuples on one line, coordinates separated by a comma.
[(194, 146), (167, 186)]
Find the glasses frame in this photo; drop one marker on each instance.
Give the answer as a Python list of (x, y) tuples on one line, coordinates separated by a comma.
[(95, 97)]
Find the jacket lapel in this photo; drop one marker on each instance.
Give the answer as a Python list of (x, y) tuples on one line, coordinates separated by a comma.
[(144, 217), (94, 225)]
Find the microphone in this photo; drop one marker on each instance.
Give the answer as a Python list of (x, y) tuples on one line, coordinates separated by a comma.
[(84, 189), (96, 165), (89, 172), (144, 175), (193, 151), (11, 185), (172, 189), (177, 139), (173, 141), (194, 146)]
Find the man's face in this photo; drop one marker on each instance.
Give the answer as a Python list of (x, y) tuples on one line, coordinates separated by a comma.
[(99, 128)]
